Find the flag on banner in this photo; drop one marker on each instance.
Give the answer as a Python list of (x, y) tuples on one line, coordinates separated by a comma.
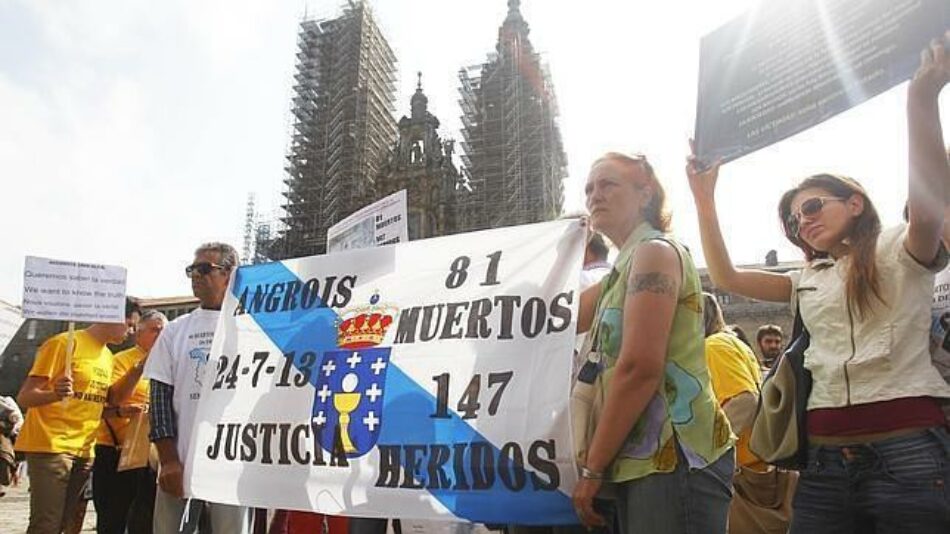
[(424, 380)]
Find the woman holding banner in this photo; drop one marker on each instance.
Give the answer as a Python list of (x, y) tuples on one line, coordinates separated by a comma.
[(665, 446), (879, 452)]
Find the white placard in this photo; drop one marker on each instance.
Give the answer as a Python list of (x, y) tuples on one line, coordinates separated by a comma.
[(381, 223), (10, 321), (61, 290)]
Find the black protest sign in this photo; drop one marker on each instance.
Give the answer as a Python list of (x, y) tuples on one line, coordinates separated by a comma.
[(790, 64)]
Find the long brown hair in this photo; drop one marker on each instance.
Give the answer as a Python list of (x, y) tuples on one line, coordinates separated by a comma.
[(863, 282), (656, 212)]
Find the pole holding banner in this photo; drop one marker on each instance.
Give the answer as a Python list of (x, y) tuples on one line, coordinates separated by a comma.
[(70, 345)]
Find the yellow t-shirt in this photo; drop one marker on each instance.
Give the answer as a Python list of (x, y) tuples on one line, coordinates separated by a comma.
[(122, 364), (69, 426), (733, 370)]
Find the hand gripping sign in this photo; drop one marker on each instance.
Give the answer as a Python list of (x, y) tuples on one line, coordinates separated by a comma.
[(423, 380)]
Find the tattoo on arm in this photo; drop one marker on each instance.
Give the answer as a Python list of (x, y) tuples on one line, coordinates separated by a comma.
[(658, 283)]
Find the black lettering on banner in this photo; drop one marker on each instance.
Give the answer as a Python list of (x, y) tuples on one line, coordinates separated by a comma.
[(511, 467), (249, 443), (430, 322), (290, 296), (508, 303), (295, 440), (231, 443), (389, 466), (483, 466), (284, 450), (491, 277), (344, 290), (469, 404), (442, 397), (458, 463), (453, 314), (215, 448), (413, 469), (317, 448), (260, 358), (406, 329), (560, 311), (311, 293), (288, 366), (267, 430), (439, 455), (502, 378), (273, 297), (458, 272), (448, 321), (533, 316), (231, 378), (478, 319), (545, 465), (219, 375), (307, 361), (328, 285)]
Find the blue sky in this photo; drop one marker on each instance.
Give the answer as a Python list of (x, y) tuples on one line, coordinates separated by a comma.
[(132, 130)]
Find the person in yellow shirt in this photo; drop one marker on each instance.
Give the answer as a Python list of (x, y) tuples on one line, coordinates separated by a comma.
[(63, 413), (124, 500), (735, 374)]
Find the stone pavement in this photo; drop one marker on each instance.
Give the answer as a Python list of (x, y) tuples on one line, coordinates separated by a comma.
[(15, 510)]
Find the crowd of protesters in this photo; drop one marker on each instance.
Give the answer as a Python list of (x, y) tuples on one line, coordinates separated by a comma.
[(682, 387)]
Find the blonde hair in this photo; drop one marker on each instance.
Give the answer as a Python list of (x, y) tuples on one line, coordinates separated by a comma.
[(656, 212)]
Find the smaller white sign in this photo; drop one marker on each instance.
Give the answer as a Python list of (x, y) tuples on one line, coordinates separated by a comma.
[(10, 321), (73, 291), (381, 223)]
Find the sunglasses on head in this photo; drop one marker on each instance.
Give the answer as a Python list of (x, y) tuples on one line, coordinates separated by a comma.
[(203, 268), (809, 208)]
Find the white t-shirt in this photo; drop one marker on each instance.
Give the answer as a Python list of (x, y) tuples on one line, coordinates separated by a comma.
[(178, 359)]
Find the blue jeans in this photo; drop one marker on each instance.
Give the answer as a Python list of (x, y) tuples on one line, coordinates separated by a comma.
[(686, 501), (888, 486)]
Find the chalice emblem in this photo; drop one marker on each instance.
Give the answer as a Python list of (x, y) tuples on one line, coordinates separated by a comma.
[(345, 403)]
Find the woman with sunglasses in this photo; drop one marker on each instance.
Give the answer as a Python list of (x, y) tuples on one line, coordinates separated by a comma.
[(661, 437), (879, 455)]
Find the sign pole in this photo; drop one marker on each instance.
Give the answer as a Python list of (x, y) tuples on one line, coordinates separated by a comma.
[(70, 344)]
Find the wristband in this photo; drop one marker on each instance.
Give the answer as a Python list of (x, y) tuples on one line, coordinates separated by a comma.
[(591, 475)]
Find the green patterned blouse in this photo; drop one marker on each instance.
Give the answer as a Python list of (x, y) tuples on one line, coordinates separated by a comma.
[(684, 409)]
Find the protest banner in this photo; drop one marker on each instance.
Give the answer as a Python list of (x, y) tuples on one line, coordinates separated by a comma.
[(72, 291), (383, 222), (425, 380), (788, 65), (10, 321), (58, 290)]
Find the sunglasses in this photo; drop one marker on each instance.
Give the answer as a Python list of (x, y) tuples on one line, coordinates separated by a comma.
[(203, 268), (809, 208)]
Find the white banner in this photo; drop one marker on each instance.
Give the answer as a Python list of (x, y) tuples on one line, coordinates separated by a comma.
[(424, 380), (72, 291), (10, 321), (381, 223)]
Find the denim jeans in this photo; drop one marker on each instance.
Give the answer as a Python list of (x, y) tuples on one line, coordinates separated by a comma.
[(686, 501), (888, 486)]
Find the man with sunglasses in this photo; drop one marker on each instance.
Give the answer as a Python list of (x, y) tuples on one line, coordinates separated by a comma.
[(176, 368)]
